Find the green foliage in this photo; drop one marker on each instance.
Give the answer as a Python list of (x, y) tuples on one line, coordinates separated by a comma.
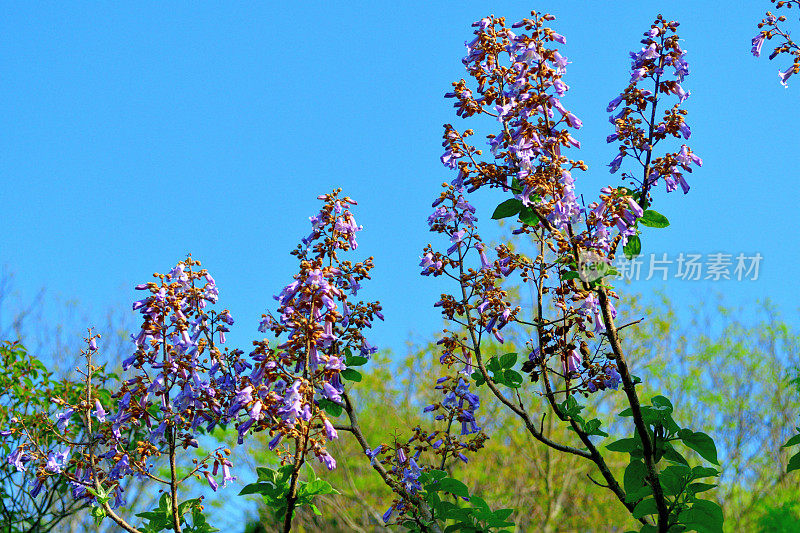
[(332, 408), (728, 369), (512, 207), (679, 482), (783, 519), (160, 518), (653, 219), (511, 471), (509, 208), (274, 485), (633, 247), (351, 375), (26, 387), (724, 376), (528, 216), (502, 371), (473, 518), (794, 461), (572, 409)]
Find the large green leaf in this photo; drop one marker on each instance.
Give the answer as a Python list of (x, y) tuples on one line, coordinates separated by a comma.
[(653, 219), (633, 247), (701, 443), (509, 208), (794, 463)]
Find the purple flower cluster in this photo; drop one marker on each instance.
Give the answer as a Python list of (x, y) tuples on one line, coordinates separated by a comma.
[(461, 405), (320, 328), (525, 99), (182, 383), (660, 57), (786, 45), (520, 84)]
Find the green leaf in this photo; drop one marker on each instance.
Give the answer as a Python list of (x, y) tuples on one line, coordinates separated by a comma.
[(644, 508), (669, 423), (703, 471), (634, 479), (502, 514), (330, 407), (639, 494), (99, 514), (508, 360), (314, 488), (266, 474), (653, 219), (662, 403), (478, 377), (356, 360), (258, 488), (528, 216), (513, 378), (671, 454), (624, 445), (674, 479), (570, 275), (592, 427), (187, 505), (480, 504), (704, 516), (351, 375), (509, 208), (453, 486), (794, 463), (702, 444), (571, 407), (695, 488), (431, 477), (633, 247)]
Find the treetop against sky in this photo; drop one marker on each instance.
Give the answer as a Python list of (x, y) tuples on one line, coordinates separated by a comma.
[(122, 122)]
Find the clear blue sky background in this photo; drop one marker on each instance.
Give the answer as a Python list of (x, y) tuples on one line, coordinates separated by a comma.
[(132, 134)]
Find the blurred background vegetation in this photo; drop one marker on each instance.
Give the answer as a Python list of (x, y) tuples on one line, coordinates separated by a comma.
[(728, 371)]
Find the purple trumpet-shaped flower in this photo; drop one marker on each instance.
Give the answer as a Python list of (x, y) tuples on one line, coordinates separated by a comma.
[(18, 458), (38, 485), (372, 454), (211, 481), (56, 461), (99, 412), (226, 473), (62, 419), (275, 441), (785, 75), (758, 41), (614, 104), (616, 163), (450, 158), (635, 208), (330, 392), (328, 461), (330, 431), (572, 362)]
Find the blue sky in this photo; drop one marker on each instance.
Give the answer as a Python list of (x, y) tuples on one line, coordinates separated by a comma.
[(133, 134)]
